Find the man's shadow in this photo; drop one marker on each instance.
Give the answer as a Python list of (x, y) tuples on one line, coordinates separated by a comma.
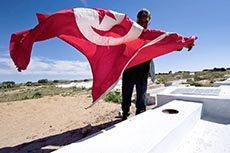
[(59, 140)]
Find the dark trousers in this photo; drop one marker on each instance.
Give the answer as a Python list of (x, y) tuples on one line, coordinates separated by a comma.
[(137, 76)]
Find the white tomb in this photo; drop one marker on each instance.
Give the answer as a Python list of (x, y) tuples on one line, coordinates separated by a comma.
[(215, 100), (206, 137), (186, 119), (148, 132), (222, 83)]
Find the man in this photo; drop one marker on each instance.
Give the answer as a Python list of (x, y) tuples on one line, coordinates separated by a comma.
[(136, 75)]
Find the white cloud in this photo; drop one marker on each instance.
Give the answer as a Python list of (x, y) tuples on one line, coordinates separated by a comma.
[(4, 53), (6, 63), (42, 66)]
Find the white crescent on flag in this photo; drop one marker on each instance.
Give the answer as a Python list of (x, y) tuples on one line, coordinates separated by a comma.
[(110, 41), (88, 20)]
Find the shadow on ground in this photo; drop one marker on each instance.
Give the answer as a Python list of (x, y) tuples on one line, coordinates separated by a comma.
[(59, 140)]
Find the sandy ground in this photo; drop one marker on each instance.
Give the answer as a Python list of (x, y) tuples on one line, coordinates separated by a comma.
[(46, 124)]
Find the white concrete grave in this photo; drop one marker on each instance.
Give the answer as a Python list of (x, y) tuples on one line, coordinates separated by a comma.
[(206, 137), (222, 83), (156, 130), (215, 100)]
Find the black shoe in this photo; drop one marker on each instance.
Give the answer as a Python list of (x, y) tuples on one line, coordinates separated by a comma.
[(139, 112), (125, 116)]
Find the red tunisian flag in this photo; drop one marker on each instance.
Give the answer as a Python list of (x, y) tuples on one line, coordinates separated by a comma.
[(110, 40)]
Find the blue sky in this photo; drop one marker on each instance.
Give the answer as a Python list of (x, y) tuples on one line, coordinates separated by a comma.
[(54, 59)]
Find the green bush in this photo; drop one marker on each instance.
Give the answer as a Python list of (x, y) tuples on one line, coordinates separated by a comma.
[(55, 81), (29, 83), (37, 95), (114, 97), (8, 84), (43, 81)]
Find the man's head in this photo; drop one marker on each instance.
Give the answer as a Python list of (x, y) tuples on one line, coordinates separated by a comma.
[(143, 18)]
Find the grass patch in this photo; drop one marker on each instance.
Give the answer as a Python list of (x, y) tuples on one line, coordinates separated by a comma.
[(114, 97), (25, 92), (9, 91)]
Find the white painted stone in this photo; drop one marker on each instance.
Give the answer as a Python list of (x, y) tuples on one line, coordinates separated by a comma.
[(151, 131), (216, 100), (86, 85), (206, 137), (222, 83)]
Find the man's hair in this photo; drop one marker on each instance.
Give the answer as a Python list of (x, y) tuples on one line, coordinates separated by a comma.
[(144, 12)]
